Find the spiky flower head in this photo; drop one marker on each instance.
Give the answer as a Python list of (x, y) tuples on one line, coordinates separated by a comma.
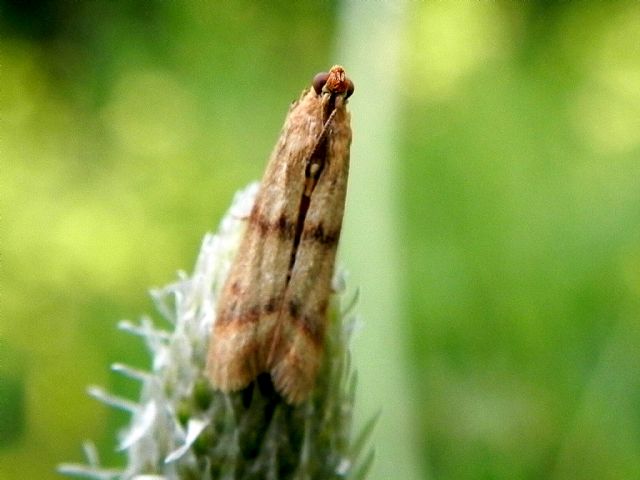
[(182, 429)]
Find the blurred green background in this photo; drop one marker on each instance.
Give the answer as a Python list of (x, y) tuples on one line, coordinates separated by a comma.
[(508, 251)]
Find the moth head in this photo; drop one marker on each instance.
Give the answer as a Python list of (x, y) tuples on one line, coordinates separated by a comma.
[(333, 82)]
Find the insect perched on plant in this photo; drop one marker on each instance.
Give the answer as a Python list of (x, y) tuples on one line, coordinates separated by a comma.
[(272, 311)]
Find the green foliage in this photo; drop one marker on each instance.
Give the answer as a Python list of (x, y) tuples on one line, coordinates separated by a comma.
[(127, 126)]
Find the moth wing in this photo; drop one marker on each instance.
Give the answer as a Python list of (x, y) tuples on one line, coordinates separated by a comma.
[(297, 351), (232, 356), (251, 299)]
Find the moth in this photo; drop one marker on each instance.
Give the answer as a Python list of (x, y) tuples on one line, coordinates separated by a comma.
[(272, 310)]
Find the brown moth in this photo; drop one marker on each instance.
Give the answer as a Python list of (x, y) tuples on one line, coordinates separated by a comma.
[(272, 310)]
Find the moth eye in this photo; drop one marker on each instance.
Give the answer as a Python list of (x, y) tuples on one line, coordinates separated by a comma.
[(319, 80), (350, 88)]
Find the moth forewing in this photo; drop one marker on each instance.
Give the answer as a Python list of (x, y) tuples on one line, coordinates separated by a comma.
[(251, 299), (297, 353), (271, 314)]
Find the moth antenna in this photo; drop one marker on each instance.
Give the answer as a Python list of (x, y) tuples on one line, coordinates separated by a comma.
[(323, 133)]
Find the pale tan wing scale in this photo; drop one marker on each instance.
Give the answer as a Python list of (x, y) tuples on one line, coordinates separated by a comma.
[(299, 343), (272, 309), (251, 300)]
